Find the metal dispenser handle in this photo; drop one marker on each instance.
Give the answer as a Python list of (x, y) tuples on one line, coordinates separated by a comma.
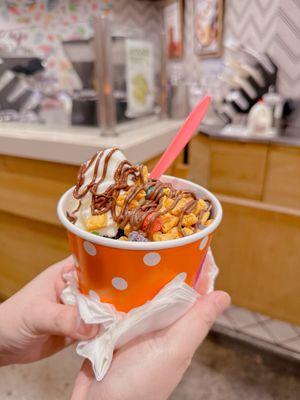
[(106, 105)]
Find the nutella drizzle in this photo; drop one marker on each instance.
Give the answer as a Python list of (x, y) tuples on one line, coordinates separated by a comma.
[(107, 201)]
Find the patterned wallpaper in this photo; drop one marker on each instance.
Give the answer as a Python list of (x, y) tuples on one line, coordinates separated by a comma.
[(40, 25), (266, 25), (272, 26)]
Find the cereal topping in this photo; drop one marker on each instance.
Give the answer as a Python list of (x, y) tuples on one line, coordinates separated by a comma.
[(140, 208)]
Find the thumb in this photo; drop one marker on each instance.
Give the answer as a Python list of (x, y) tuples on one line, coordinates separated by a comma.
[(198, 321), (83, 381), (61, 320)]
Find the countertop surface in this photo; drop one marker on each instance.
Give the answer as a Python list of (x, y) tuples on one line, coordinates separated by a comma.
[(140, 140), (283, 139)]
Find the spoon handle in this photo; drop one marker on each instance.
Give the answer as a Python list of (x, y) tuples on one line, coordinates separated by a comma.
[(182, 137)]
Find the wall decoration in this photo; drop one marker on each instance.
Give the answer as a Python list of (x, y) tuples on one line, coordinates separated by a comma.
[(140, 76), (173, 25), (208, 27)]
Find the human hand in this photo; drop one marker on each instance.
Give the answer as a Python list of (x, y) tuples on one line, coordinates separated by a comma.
[(33, 322), (150, 367)]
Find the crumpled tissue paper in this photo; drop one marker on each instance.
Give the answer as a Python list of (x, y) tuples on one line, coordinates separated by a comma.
[(118, 328)]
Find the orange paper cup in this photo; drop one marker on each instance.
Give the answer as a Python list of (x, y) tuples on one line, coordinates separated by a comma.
[(127, 274)]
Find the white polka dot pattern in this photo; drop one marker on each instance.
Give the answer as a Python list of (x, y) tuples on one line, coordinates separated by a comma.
[(94, 295), (182, 276), (151, 259), (89, 248), (203, 243), (119, 283)]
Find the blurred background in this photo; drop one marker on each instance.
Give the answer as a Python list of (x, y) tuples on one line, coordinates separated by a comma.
[(76, 76)]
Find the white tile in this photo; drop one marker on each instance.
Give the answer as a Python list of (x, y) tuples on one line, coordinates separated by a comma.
[(262, 317), (258, 332), (297, 328), (241, 317), (293, 344), (281, 331), (224, 321)]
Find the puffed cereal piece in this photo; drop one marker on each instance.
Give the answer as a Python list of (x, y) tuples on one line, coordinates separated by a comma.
[(201, 205), (124, 238), (166, 203), (172, 234), (168, 222), (161, 237), (189, 219), (208, 222), (167, 191), (145, 173), (127, 229), (180, 205), (118, 210), (96, 222), (205, 217), (157, 236), (121, 199), (175, 232), (140, 195), (133, 204), (187, 231)]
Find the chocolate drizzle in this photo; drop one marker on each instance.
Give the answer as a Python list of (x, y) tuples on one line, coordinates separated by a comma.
[(107, 201)]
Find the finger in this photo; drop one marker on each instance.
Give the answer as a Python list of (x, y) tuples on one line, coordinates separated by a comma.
[(60, 284), (83, 381), (62, 320), (55, 344), (44, 283), (198, 322), (57, 269)]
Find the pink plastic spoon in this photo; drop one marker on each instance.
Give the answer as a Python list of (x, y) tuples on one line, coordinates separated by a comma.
[(182, 137)]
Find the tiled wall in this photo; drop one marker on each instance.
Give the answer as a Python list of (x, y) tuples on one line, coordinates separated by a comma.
[(266, 25), (272, 26)]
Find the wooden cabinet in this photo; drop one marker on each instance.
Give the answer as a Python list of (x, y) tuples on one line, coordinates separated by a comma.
[(232, 168), (237, 169), (282, 184), (30, 188), (31, 237), (257, 246), (27, 246)]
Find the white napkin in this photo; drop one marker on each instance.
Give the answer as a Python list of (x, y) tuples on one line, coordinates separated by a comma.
[(118, 328)]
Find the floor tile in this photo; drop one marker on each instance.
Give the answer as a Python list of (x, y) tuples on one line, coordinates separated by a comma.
[(258, 331), (297, 329), (48, 379), (262, 317), (241, 317), (293, 344), (224, 321), (281, 331)]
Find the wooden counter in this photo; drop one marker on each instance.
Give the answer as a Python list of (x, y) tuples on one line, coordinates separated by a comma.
[(257, 246)]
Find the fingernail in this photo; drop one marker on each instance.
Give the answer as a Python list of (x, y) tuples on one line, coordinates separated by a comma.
[(87, 330), (222, 300)]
